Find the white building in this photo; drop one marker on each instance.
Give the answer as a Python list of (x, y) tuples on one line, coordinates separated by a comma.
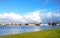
[(44, 25)]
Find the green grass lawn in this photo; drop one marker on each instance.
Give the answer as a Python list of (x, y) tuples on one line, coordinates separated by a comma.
[(52, 33)]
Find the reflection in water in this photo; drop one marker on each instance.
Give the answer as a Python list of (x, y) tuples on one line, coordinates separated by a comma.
[(36, 28), (6, 30)]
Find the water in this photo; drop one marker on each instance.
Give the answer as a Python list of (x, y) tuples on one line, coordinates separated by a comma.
[(7, 30)]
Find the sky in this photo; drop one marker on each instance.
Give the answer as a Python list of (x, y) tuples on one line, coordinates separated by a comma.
[(29, 11)]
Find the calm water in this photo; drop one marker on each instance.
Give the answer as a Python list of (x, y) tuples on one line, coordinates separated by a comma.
[(6, 30)]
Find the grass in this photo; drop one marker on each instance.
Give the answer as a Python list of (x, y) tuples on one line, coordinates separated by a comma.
[(52, 33)]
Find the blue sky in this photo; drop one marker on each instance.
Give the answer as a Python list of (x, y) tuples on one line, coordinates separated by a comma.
[(26, 7)]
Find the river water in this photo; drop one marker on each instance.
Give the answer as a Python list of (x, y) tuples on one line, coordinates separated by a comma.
[(7, 30)]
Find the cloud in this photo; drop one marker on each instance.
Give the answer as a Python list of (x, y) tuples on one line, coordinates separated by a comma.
[(13, 17), (33, 16), (47, 17), (30, 17)]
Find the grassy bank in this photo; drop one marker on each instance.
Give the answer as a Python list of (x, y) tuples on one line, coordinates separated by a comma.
[(53, 33)]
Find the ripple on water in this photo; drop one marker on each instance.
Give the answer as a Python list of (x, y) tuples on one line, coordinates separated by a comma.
[(6, 30)]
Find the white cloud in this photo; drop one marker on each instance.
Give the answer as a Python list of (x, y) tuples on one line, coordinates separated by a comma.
[(35, 16), (57, 14), (49, 14), (12, 17), (31, 16)]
